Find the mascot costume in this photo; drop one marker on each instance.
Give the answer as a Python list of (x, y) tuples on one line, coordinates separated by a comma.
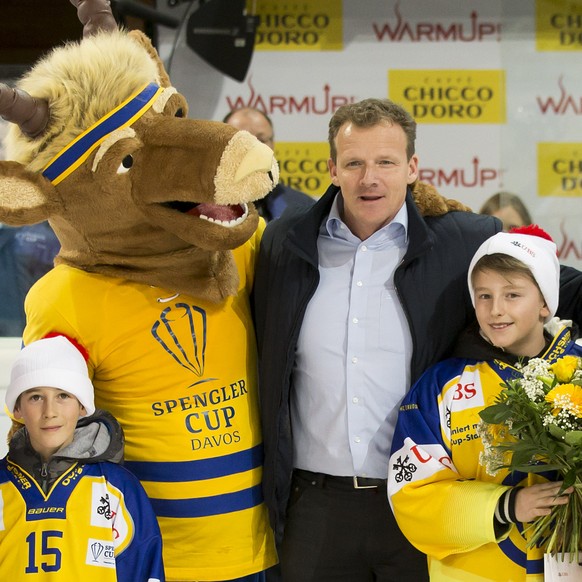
[(158, 239)]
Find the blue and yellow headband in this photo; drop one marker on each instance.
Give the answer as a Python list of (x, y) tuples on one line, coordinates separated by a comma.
[(74, 154)]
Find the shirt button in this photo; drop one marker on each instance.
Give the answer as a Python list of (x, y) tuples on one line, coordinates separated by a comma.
[(364, 248), (359, 283), (357, 439), (355, 320), (355, 399), (354, 360)]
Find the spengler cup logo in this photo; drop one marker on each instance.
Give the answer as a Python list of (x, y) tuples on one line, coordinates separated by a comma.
[(181, 331), (100, 553)]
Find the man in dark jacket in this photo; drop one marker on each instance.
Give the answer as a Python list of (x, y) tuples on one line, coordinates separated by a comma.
[(354, 299)]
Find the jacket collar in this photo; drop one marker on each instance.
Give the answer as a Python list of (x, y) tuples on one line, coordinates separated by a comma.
[(419, 236), (302, 236)]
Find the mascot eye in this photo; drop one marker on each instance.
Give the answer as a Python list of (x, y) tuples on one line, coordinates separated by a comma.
[(126, 163), (179, 113)]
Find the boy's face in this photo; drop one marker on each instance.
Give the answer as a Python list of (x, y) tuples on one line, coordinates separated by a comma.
[(50, 416), (511, 311)]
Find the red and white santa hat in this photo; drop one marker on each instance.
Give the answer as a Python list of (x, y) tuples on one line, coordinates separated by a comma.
[(53, 362), (535, 248)]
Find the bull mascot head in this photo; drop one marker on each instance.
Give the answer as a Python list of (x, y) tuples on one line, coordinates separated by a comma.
[(103, 150)]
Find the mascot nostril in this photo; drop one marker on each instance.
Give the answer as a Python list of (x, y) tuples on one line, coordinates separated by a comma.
[(158, 242)]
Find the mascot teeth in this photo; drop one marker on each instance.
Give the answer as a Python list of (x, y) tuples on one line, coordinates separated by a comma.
[(228, 223)]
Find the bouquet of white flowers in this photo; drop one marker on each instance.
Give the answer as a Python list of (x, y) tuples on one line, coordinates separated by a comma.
[(535, 426)]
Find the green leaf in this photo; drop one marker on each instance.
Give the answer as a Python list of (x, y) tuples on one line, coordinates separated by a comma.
[(569, 479), (574, 438), (556, 431), (496, 413)]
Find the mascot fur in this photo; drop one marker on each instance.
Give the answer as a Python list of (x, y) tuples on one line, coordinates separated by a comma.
[(158, 239)]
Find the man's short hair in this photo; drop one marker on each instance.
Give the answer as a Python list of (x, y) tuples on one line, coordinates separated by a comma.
[(371, 112)]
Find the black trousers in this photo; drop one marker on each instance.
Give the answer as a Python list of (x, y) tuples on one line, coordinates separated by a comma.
[(345, 535)]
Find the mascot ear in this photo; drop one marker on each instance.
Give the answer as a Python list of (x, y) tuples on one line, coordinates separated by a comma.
[(25, 197), (430, 203), (146, 43)]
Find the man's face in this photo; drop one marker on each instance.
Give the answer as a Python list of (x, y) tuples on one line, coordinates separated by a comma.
[(373, 173)]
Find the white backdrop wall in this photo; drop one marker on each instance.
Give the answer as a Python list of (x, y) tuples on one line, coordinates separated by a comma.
[(496, 87)]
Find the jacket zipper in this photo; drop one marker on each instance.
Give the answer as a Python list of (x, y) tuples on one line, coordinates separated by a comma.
[(44, 475)]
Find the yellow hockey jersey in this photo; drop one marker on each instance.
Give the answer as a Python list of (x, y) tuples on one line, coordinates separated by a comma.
[(90, 526), (443, 498), (180, 376)]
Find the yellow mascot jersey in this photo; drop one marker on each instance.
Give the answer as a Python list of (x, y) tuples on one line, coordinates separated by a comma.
[(180, 376)]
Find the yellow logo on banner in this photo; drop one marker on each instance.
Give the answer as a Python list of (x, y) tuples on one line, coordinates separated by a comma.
[(560, 169), (559, 25), (450, 96), (298, 26), (303, 166)]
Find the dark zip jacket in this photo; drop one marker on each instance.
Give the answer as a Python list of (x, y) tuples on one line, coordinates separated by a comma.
[(431, 282)]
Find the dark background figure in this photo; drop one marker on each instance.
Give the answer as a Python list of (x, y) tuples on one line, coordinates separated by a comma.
[(26, 254), (260, 125), (509, 208)]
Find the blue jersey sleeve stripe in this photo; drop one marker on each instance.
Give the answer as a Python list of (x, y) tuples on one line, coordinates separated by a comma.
[(182, 471), (206, 506)]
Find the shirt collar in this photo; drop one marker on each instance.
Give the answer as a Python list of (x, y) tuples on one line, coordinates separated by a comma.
[(396, 231)]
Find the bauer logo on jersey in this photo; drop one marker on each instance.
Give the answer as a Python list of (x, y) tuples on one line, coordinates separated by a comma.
[(181, 331), (414, 462), (464, 392), (100, 553)]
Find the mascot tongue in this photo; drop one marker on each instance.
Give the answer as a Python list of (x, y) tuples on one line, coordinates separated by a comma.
[(218, 212)]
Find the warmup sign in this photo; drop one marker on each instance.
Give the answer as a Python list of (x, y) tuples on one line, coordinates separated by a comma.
[(560, 169), (559, 25), (299, 26), (450, 96), (303, 166)]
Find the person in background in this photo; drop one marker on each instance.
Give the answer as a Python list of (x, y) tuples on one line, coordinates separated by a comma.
[(26, 254), (509, 208), (69, 511), (354, 299), (471, 523), (259, 124)]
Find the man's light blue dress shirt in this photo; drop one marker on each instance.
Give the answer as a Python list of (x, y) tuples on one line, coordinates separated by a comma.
[(352, 366)]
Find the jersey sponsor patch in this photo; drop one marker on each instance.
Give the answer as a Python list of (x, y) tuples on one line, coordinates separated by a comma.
[(464, 392), (414, 462), (103, 512), (100, 553)]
